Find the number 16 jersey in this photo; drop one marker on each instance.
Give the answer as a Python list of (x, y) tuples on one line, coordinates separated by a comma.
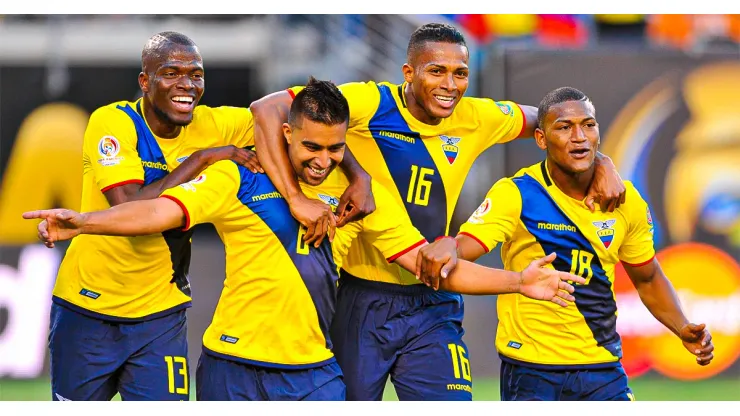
[(424, 166)]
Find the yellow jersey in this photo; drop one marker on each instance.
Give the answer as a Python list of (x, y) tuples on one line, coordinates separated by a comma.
[(279, 295), (423, 166), (137, 278), (532, 218)]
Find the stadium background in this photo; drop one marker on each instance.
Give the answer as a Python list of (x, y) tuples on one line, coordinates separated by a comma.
[(665, 88)]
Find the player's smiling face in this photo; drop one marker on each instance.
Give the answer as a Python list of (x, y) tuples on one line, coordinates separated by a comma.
[(315, 149), (175, 84), (570, 135), (438, 77)]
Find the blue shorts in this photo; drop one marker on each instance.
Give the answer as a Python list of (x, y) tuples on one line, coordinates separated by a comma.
[(92, 359), (222, 379), (412, 333), (523, 383)]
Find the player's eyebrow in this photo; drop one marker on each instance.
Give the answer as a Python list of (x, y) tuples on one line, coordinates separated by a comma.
[(572, 121), (337, 146), (179, 65)]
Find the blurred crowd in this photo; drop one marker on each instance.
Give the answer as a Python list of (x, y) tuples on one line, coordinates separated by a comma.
[(684, 32), (555, 31)]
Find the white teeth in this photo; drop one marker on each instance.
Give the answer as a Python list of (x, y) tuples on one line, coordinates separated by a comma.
[(317, 171), (183, 99), (441, 98)]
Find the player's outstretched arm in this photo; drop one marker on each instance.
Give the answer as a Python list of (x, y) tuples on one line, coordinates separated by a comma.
[(128, 219), (187, 171), (537, 281), (658, 295), (530, 121), (436, 260)]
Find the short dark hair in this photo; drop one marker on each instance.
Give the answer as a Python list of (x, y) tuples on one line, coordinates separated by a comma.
[(156, 45), (321, 102), (433, 32), (558, 96)]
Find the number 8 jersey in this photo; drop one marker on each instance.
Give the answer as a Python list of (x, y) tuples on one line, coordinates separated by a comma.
[(279, 295), (424, 166), (532, 217)]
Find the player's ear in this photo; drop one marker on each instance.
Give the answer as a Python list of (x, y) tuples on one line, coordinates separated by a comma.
[(144, 82), (539, 138), (408, 72), (287, 132)]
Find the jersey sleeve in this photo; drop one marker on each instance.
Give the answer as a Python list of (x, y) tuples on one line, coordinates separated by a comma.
[(389, 228), (497, 217), (363, 99), (236, 125), (637, 248), (210, 196), (504, 120), (109, 145)]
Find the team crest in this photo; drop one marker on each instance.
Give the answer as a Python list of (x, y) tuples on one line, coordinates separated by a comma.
[(450, 147), (108, 148), (650, 220), (605, 231), (477, 217), (505, 108), (190, 185), (330, 200)]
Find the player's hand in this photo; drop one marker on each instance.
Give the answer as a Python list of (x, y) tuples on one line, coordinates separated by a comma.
[(57, 224), (698, 340), (316, 216), (356, 202), (436, 261), (244, 157), (607, 188), (543, 283)]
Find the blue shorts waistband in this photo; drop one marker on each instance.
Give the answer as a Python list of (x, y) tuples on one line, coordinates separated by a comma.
[(111, 318), (416, 289), (264, 364), (561, 367)]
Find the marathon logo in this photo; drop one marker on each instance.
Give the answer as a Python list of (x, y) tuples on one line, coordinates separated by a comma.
[(270, 195), (401, 137), (556, 227), (155, 165)]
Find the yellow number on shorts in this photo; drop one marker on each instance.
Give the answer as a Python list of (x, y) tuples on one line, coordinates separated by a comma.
[(580, 264), (301, 246), (460, 363), (171, 361), (423, 187)]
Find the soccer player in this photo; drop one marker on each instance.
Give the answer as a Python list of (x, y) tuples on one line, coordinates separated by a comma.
[(118, 306), (269, 338), (419, 140), (571, 353)]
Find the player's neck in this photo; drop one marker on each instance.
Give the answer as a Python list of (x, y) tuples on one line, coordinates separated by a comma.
[(157, 125), (574, 185), (416, 110)]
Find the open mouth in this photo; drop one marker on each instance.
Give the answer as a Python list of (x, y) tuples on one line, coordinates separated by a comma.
[(579, 153), (317, 173), (183, 103), (445, 101)]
